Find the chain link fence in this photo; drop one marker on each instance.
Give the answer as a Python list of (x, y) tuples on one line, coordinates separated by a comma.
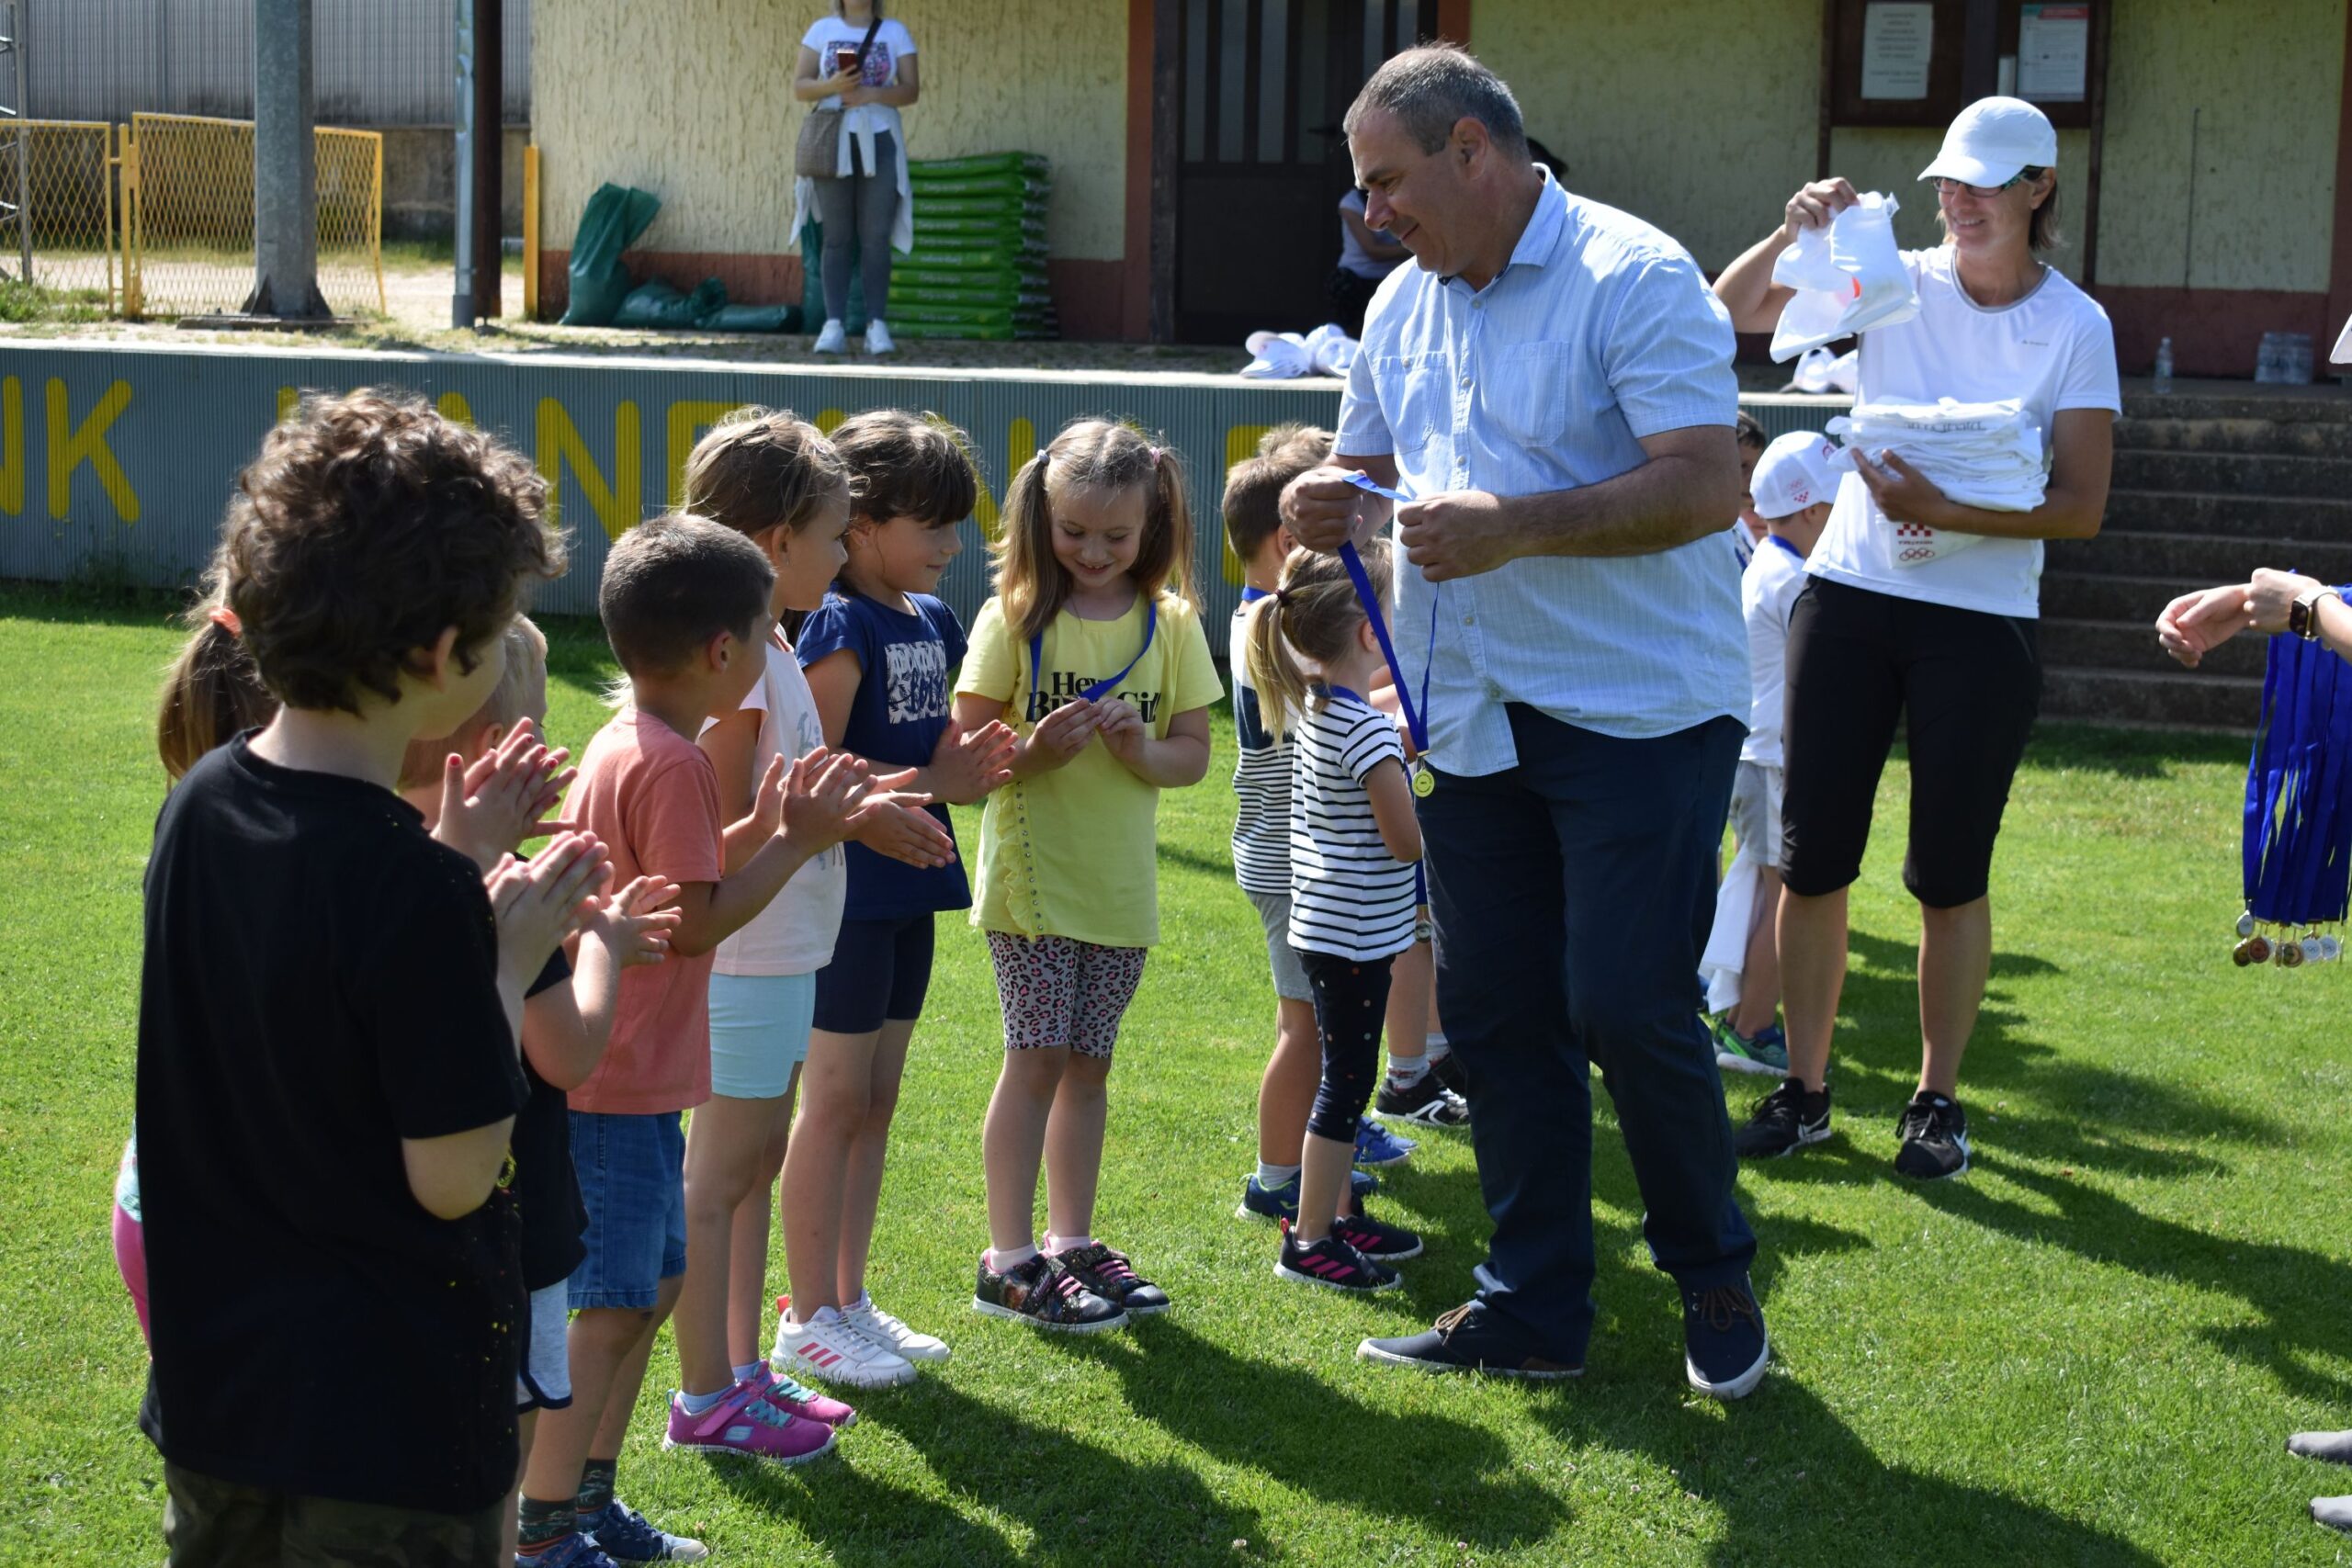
[(187, 193), (68, 245)]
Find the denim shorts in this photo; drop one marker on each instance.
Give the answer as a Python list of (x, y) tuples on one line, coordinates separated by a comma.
[(633, 1184), (759, 1032), (544, 1379)]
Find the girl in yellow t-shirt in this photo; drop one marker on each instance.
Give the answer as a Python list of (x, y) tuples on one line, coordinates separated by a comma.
[(1092, 650)]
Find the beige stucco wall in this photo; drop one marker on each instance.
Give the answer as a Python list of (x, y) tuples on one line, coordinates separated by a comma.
[(1702, 117), (693, 103)]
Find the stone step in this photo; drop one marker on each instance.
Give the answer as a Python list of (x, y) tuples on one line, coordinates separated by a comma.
[(2236, 473), (2101, 596), (2168, 433), (2131, 646), (2175, 698), (2205, 559), (2319, 404), (2244, 516)]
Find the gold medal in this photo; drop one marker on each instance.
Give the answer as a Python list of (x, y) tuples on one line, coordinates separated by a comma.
[(1424, 780)]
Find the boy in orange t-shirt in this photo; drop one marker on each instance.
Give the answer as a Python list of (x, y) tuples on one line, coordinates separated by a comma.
[(684, 604)]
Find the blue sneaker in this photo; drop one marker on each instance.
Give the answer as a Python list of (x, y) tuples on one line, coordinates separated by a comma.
[(1376, 1145), (623, 1535), (1767, 1055), (1282, 1202), (1724, 1347)]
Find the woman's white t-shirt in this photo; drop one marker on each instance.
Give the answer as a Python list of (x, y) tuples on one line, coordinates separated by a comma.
[(795, 934), (2054, 349), (892, 43)]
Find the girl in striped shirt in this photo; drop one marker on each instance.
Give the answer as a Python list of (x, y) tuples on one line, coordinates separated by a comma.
[(1354, 844)]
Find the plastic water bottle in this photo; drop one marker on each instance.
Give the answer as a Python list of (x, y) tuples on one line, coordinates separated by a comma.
[(2163, 369)]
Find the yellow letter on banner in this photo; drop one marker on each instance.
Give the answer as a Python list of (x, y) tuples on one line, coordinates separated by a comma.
[(454, 408), (1020, 445), (12, 437), (688, 420), (1241, 442), (70, 445), (618, 506)]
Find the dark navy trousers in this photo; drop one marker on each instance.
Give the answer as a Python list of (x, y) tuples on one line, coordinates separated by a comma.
[(1572, 895)]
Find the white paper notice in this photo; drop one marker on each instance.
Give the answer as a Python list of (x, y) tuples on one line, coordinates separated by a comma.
[(1898, 38), (2053, 52)]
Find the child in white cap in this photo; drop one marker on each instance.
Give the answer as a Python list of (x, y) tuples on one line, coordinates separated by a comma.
[(1794, 486)]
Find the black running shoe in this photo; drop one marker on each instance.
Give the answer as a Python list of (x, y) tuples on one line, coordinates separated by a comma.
[(1467, 1339), (1724, 1348), (1045, 1295), (1330, 1263), (1429, 1103), (1934, 1130), (1783, 1122), (1448, 1070), (1108, 1274), (1383, 1244)]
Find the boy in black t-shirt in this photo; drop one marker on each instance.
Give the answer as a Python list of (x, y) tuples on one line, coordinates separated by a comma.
[(328, 1007)]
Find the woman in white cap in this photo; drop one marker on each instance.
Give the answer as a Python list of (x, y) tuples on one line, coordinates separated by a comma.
[(1922, 609)]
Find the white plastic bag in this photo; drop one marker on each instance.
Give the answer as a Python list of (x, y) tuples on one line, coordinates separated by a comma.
[(1849, 278), (1822, 371)]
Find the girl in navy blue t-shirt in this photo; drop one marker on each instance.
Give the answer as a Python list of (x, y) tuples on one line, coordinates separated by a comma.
[(879, 655)]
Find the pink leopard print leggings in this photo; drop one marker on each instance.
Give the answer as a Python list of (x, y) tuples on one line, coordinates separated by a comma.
[(1057, 992)]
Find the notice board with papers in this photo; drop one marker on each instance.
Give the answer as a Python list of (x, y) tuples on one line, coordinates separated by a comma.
[(1919, 63)]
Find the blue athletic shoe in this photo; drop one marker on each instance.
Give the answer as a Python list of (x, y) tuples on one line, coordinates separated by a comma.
[(1376, 1145), (624, 1536), (1282, 1202)]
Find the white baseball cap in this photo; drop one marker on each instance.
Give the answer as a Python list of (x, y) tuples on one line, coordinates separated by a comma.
[(1992, 140), (1795, 472)]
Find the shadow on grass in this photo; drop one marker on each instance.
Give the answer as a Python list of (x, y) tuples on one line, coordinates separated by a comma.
[(997, 1457), (2125, 753), (1446, 1474), (1794, 1484)]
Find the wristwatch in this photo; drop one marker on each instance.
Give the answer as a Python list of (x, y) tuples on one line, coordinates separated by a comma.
[(2302, 615)]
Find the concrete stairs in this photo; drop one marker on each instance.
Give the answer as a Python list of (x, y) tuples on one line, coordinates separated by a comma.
[(2211, 481)]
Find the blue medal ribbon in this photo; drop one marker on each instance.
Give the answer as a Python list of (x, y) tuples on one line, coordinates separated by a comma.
[(1096, 691), (1416, 719), (2298, 845)]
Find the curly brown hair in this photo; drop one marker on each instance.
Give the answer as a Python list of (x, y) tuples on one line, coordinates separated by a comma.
[(368, 527)]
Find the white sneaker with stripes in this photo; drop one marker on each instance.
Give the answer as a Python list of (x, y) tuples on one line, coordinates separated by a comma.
[(893, 1334), (829, 1348)]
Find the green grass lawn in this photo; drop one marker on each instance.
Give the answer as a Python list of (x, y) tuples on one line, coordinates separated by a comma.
[(2087, 1351)]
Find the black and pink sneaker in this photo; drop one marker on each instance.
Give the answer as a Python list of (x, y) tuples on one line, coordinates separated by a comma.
[(1044, 1294), (1107, 1272), (1332, 1263), (1380, 1242)]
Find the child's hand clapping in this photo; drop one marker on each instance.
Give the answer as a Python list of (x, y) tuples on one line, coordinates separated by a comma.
[(1059, 735), (632, 924), (967, 764), (540, 901), (821, 796), (892, 822), (489, 808)]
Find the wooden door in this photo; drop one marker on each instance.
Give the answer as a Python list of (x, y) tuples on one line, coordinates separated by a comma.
[(1260, 163)]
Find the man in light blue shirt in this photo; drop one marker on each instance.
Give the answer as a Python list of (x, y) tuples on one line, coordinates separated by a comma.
[(1552, 383)]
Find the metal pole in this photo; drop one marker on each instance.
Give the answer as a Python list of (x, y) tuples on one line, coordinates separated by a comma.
[(490, 156), (461, 299), (24, 142), (286, 165)]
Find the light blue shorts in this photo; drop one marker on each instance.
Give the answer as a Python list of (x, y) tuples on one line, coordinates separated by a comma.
[(759, 1032)]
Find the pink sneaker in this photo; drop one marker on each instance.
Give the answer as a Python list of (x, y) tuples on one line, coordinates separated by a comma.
[(743, 1422), (800, 1399)]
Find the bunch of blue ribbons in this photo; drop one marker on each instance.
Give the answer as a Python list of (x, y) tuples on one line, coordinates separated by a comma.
[(2298, 846)]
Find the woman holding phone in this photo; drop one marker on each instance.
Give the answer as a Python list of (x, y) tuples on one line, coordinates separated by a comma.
[(862, 64)]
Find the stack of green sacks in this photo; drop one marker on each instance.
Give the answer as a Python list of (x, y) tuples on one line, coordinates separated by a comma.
[(978, 265)]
